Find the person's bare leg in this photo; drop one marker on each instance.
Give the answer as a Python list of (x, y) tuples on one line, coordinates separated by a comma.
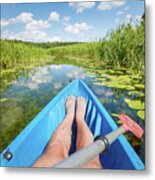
[(59, 144), (84, 135)]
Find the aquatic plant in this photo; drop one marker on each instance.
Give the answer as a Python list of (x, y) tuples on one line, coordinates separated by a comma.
[(141, 114), (17, 53), (134, 104)]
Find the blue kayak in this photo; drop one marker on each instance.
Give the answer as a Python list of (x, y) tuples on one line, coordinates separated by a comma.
[(25, 149)]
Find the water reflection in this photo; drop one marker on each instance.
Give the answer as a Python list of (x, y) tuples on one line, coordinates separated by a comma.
[(75, 74), (25, 93), (42, 76)]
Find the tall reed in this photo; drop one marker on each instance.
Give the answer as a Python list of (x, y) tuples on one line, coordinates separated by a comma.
[(122, 47)]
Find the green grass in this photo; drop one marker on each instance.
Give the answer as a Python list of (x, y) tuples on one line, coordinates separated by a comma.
[(85, 50), (122, 47), (16, 53)]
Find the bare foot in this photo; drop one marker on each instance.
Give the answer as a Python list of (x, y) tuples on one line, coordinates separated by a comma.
[(70, 107), (81, 108)]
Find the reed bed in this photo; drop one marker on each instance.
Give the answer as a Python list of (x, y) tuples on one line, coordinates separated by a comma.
[(122, 47)]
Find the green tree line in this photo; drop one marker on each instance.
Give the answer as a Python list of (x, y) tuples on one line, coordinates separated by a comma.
[(123, 47)]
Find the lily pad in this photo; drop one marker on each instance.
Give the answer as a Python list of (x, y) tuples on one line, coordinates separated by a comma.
[(119, 72), (100, 79), (134, 104), (136, 142), (119, 122), (118, 85), (99, 83), (115, 81), (110, 71), (141, 114), (114, 115), (3, 100), (92, 74), (115, 101), (128, 137), (136, 76), (135, 93), (140, 86)]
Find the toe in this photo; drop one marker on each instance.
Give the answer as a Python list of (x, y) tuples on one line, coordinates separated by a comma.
[(79, 100), (82, 99), (70, 99)]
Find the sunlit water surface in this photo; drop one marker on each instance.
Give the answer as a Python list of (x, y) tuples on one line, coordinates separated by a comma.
[(29, 92)]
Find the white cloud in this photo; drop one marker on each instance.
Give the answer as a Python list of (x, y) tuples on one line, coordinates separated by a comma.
[(37, 25), (66, 18), (5, 34), (122, 11), (110, 5), (129, 18), (7, 22), (4, 23), (55, 38), (32, 36), (119, 13), (54, 16), (30, 23), (81, 6), (24, 35), (35, 35), (27, 20), (32, 29), (77, 28), (24, 18)]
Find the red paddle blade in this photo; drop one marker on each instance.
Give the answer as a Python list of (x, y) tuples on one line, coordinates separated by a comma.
[(131, 125)]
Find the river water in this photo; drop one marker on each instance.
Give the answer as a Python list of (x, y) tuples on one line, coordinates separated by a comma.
[(28, 91)]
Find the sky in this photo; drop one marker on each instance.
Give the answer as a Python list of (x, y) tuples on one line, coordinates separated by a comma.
[(72, 21)]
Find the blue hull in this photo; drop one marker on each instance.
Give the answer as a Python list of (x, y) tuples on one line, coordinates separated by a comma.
[(31, 142)]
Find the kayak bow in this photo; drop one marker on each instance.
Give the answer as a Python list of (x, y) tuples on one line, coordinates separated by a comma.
[(25, 149)]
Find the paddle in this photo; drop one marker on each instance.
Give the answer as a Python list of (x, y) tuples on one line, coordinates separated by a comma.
[(101, 144)]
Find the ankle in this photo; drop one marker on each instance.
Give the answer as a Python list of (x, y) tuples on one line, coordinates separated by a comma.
[(80, 121), (69, 117), (80, 117)]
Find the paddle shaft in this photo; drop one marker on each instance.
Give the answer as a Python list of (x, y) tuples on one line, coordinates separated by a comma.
[(81, 157)]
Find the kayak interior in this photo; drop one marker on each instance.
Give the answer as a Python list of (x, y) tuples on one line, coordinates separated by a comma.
[(32, 141)]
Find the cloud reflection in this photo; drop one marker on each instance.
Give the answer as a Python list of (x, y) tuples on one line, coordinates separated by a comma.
[(75, 74), (42, 76), (57, 85)]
